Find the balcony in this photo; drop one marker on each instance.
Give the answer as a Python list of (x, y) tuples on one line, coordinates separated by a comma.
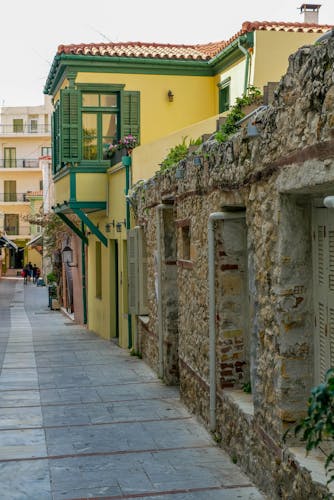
[(18, 230), (19, 163), (25, 129), (14, 197)]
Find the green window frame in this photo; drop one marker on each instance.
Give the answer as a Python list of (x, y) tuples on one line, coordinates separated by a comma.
[(100, 123), (224, 95), (78, 105)]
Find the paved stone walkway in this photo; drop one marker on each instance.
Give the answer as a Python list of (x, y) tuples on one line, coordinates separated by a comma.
[(81, 418)]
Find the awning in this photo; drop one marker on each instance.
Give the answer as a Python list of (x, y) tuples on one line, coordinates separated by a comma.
[(36, 241), (6, 242)]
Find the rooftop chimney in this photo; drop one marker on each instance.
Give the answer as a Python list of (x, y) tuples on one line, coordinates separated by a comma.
[(311, 12)]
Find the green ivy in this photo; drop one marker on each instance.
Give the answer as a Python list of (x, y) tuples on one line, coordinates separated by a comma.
[(178, 153), (236, 113)]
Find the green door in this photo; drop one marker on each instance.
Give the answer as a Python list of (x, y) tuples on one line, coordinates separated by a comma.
[(10, 191)]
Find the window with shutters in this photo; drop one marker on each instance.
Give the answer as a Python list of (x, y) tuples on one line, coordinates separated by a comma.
[(137, 271), (323, 278), (86, 120), (100, 124)]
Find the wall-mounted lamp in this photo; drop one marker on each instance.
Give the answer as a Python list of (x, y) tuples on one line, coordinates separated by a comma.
[(68, 256), (329, 202), (119, 227), (170, 96), (108, 226)]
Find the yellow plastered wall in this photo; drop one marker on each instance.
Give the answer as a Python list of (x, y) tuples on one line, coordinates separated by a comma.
[(102, 311), (272, 50), (98, 310), (34, 257), (91, 186), (154, 101), (116, 195), (146, 159), (62, 189)]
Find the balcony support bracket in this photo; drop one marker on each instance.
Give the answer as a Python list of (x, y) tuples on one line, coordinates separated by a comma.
[(94, 229), (74, 228)]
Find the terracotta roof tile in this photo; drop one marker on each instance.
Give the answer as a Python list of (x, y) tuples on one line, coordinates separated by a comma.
[(202, 52), (136, 50)]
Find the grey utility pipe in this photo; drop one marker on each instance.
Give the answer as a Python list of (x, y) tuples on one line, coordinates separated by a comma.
[(247, 56), (215, 216), (159, 291)]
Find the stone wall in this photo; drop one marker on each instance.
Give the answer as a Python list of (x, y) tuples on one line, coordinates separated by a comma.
[(263, 271)]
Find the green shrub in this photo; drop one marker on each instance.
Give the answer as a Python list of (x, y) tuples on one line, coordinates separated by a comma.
[(178, 153), (236, 113), (317, 428)]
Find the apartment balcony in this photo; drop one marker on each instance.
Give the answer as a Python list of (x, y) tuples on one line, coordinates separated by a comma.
[(25, 130), (14, 197), (19, 163), (18, 230)]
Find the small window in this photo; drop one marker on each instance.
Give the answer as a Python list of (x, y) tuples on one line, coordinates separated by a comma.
[(224, 95), (186, 243), (46, 151), (33, 124)]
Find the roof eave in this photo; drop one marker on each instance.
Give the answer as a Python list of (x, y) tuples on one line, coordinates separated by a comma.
[(120, 65)]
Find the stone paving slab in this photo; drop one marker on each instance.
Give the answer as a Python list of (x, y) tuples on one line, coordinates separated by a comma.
[(80, 418)]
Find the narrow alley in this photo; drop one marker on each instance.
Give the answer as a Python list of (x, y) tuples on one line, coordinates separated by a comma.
[(81, 418)]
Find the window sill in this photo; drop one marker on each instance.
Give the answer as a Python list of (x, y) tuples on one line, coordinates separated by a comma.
[(314, 463), (243, 400), (185, 264)]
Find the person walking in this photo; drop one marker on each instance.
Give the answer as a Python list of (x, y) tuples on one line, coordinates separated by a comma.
[(34, 273), (25, 272), (30, 268)]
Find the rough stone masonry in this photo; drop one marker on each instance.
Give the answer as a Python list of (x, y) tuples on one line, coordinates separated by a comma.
[(265, 267)]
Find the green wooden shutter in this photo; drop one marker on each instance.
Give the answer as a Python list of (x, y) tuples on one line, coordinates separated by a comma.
[(131, 114), (55, 139), (69, 115)]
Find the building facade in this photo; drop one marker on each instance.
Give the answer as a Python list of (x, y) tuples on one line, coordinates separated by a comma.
[(25, 137), (103, 92), (233, 277)]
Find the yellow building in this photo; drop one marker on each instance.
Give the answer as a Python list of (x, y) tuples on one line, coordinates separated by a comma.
[(160, 94), (25, 137)]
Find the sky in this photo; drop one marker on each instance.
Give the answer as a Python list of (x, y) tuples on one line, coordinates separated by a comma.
[(31, 31)]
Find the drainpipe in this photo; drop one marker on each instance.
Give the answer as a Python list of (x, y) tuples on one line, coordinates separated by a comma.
[(215, 216), (159, 291), (247, 55), (83, 274), (127, 164)]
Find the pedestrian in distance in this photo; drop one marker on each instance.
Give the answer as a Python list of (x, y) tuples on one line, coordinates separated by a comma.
[(30, 270), (25, 272), (34, 273)]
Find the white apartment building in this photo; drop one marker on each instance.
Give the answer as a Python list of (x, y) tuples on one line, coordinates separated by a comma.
[(25, 155)]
